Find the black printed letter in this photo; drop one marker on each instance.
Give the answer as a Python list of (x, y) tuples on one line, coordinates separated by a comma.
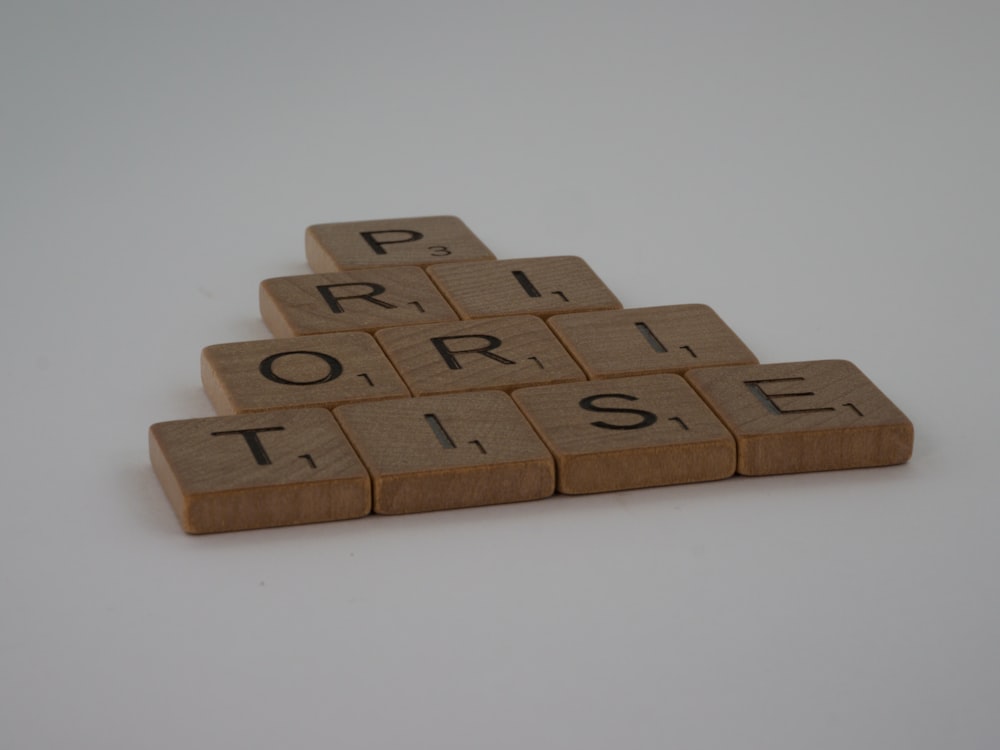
[(376, 245), (768, 398), (334, 368), (448, 355), (374, 290), (648, 418), (253, 442)]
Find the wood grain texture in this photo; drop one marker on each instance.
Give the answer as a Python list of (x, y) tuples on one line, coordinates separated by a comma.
[(450, 451), (351, 301), (254, 471), (530, 286), (323, 370), (492, 353), (805, 416), (416, 241), (624, 433), (647, 340)]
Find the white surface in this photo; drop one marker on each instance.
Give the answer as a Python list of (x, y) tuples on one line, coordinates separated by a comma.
[(825, 177)]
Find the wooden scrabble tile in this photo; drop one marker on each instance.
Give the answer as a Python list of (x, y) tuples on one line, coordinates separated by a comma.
[(364, 300), (346, 246), (323, 370), (257, 470), (623, 433), (805, 416), (646, 340), (451, 451), (535, 286), (491, 353)]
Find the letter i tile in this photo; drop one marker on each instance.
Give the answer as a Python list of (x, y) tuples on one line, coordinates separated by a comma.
[(805, 416), (647, 340), (624, 433), (531, 286), (252, 471), (449, 451)]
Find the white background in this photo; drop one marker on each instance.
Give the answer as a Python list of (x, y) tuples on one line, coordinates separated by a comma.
[(825, 175)]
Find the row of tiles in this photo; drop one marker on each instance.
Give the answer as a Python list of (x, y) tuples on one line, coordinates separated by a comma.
[(490, 353), (374, 298), (404, 455)]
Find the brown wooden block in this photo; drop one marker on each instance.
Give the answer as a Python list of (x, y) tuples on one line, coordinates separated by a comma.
[(624, 433), (257, 470), (419, 241), (646, 340), (531, 286), (805, 416), (363, 300), (449, 451), (491, 353), (324, 370)]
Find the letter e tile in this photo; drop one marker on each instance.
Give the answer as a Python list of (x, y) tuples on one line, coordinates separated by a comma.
[(449, 451), (623, 433), (805, 416), (257, 470)]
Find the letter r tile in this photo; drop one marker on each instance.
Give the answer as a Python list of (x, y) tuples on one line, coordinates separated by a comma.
[(450, 451), (469, 355), (805, 416), (252, 471), (420, 241), (624, 433), (647, 340), (363, 300)]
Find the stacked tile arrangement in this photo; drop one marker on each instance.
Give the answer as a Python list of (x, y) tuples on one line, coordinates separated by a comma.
[(413, 371)]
